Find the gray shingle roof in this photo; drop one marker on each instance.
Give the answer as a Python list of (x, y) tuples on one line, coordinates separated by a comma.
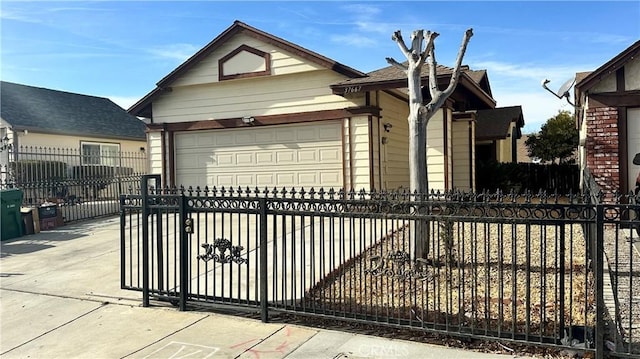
[(58, 112), (494, 124)]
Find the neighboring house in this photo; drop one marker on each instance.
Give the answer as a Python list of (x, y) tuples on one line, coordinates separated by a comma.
[(608, 115), (523, 151), (253, 110), (66, 146), (34, 117), (497, 133)]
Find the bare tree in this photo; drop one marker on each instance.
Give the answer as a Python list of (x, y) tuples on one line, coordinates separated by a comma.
[(419, 113)]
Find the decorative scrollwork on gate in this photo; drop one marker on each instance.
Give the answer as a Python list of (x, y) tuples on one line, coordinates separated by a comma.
[(217, 251), (399, 265)]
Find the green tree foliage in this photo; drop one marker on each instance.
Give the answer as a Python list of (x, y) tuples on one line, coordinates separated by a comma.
[(557, 140)]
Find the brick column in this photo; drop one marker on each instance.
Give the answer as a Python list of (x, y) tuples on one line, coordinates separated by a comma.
[(602, 147)]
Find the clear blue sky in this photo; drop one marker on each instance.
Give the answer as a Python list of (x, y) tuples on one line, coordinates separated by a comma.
[(120, 49)]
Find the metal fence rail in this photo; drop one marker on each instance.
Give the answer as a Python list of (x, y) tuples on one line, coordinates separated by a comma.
[(82, 185), (620, 232), (517, 268)]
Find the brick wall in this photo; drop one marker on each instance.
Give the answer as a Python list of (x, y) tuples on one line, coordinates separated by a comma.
[(602, 147)]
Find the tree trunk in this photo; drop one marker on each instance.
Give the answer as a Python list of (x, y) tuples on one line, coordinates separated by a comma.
[(419, 115)]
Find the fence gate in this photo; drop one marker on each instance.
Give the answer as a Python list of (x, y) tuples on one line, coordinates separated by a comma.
[(210, 246)]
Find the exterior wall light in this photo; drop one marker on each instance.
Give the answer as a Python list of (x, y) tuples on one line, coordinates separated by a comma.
[(387, 126), (248, 119)]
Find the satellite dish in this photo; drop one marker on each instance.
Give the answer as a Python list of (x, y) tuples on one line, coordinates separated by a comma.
[(564, 89)]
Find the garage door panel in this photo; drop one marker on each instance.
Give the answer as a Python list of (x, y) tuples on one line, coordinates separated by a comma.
[(329, 178), (264, 158), (224, 159), (244, 159), (305, 155), (284, 179), (284, 157), (329, 155), (264, 179)]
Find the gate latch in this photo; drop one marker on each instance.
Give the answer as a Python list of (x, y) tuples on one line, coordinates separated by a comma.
[(188, 225)]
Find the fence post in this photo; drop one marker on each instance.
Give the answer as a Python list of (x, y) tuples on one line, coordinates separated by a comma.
[(186, 227), (144, 188), (599, 339), (264, 305), (123, 218)]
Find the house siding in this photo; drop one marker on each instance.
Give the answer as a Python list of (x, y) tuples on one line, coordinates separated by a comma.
[(462, 158), (356, 153), (155, 153), (40, 140), (436, 152), (206, 71), (395, 153), (271, 95), (504, 147)]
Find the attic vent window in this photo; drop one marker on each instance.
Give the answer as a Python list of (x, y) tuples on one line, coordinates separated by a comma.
[(243, 62)]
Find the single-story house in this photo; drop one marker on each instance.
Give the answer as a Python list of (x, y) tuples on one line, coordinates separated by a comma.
[(497, 133), (253, 110), (34, 117), (608, 116)]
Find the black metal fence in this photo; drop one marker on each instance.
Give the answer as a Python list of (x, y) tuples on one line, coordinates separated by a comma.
[(531, 177), (83, 185), (515, 268), (620, 234)]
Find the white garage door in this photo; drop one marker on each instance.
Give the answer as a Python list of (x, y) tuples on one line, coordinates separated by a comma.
[(304, 155)]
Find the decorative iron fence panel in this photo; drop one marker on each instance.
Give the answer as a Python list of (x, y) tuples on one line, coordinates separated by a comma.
[(523, 269), (63, 177)]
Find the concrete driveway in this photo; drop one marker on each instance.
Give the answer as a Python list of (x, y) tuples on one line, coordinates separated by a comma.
[(60, 298)]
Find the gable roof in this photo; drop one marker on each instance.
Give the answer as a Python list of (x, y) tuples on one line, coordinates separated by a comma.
[(609, 67), (58, 112), (494, 124), (391, 77), (142, 107)]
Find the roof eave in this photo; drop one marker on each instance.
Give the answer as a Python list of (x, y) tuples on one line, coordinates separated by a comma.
[(610, 66), (140, 108)]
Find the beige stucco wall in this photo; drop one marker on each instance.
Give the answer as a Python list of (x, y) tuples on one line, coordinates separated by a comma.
[(40, 140), (632, 74), (607, 84)]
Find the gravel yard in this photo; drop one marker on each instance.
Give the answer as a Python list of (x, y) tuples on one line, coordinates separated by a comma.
[(623, 257), (495, 277)]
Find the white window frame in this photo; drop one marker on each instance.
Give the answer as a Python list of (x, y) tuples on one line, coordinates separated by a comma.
[(107, 155)]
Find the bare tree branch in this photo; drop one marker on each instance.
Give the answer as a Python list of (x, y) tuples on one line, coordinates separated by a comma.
[(430, 38), (397, 37), (456, 69), (417, 37), (433, 76), (397, 64)]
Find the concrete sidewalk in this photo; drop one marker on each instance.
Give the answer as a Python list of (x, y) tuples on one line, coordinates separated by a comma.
[(60, 298)]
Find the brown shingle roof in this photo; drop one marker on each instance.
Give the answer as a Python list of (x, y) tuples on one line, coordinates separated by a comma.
[(494, 124)]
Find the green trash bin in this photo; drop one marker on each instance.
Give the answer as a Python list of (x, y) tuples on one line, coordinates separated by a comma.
[(10, 200)]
